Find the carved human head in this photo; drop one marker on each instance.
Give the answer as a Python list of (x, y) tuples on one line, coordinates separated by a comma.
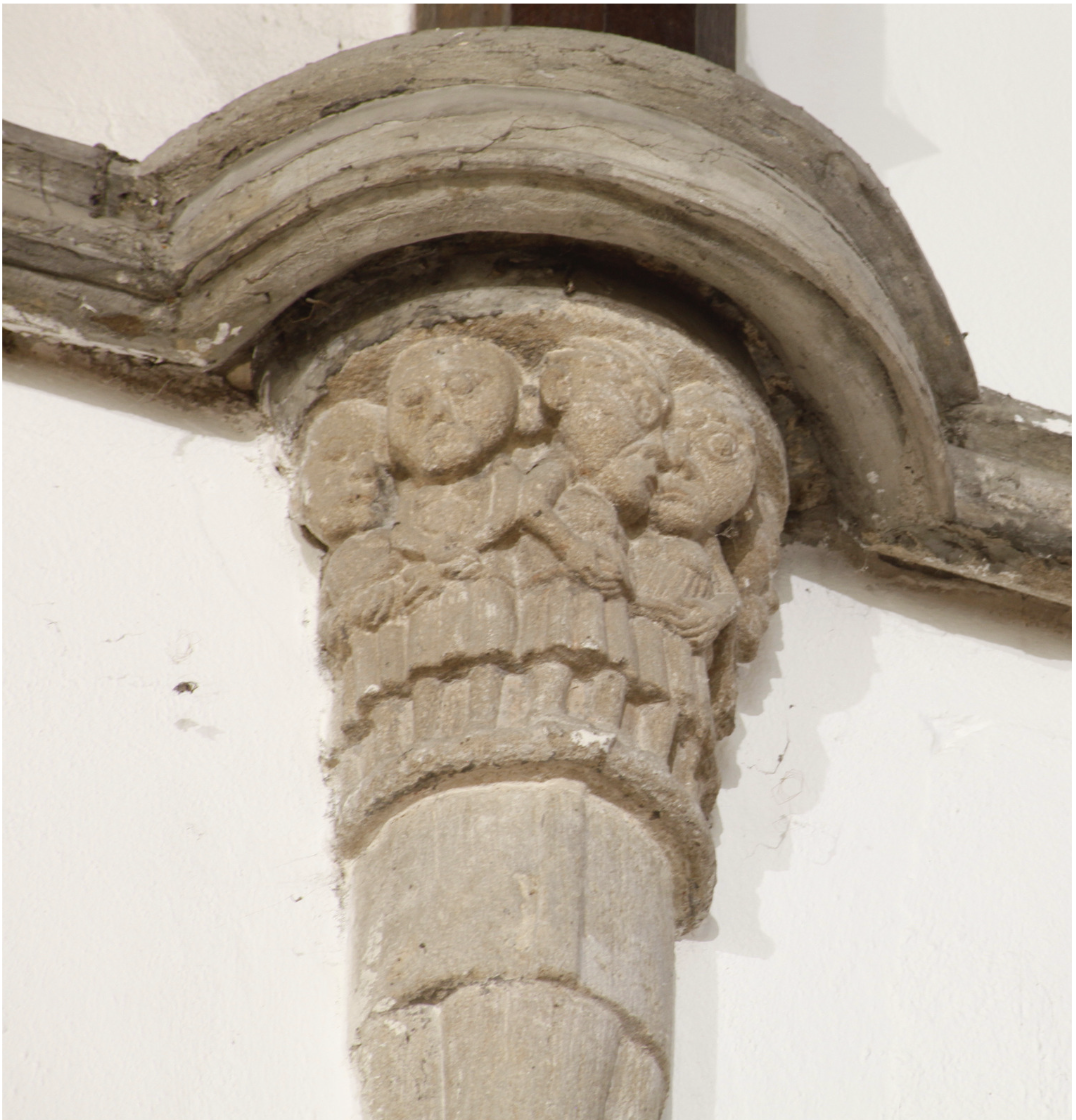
[(712, 462), (451, 402), (612, 403), (344, 484)]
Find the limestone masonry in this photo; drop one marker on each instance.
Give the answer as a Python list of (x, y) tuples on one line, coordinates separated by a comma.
[(542, 568)]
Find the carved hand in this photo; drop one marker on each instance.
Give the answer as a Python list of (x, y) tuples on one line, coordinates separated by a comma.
[(699, 621), (419, 582), (601, 566), (370, 607), (465, 564), (333, 634)]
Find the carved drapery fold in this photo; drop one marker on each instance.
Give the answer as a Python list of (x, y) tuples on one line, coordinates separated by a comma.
[(550, 530), (550, 506)]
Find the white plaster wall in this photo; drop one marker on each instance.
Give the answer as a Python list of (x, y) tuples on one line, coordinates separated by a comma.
[(965, 113), (890, 931), (132, 75), (889, 935), (172, 944)]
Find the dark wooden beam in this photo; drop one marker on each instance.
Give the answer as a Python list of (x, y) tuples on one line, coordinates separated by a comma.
[(715, 33), (707, 30), (668, 25), (428, 16), (580, 17)]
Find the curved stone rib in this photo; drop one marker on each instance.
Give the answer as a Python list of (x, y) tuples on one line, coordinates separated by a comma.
[(619, 71), (783, 258), (298, 182)]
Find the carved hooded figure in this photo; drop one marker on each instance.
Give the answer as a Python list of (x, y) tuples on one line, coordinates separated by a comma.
[(685, 594), (575, 631)]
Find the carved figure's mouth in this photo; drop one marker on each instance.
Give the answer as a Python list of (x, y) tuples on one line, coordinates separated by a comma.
[(447, 435), (670, 492)]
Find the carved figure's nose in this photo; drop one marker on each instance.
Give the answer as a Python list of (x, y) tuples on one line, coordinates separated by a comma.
[(684, 468), (653, 448), (440, 407), (676, 452)]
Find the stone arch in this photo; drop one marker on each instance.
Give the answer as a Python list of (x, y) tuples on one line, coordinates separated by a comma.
[(190, 256), (598, 138)]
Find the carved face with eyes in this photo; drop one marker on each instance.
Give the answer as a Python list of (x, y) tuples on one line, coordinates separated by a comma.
[(344, 484), (611, 403), (451, 402), (712, 463)]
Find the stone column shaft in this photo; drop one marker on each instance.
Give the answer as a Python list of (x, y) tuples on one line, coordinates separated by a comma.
[(520, 602), (512, 958)]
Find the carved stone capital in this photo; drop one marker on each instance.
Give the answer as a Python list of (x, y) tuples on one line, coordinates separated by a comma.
[(550, 519), (560, 327)]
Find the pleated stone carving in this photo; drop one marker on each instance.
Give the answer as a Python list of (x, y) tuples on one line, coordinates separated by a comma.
[(542, 568)]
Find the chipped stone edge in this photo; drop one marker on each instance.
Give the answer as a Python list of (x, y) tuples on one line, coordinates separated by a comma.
[(85, 227)]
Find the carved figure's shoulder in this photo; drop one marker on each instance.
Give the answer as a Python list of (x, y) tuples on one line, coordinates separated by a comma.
[(587, 510), (361, 559)]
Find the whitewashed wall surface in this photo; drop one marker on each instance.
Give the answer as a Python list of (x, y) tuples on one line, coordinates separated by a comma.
[(890, 931)]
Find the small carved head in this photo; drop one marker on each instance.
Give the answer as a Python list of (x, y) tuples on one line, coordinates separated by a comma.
[(344, 484), (612, 403), (451, 403), (712, 462)]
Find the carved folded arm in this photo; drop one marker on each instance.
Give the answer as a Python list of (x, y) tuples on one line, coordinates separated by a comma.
[(697, 620), (592, 554), (685, 585), (599, 564), (366, 581)]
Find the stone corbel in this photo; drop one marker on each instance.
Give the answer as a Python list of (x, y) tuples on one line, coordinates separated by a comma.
[(186, 259), (534, 628), (558, 324)]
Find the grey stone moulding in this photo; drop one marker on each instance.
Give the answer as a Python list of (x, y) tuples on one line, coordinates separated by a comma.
[(183, 261), (559, 326)]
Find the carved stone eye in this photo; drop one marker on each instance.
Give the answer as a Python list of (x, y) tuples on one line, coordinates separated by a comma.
[(413, 397), (460, 384), (723, 445)]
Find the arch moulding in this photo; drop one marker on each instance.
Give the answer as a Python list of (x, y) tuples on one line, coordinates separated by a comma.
[(187, 257), (565, 330)]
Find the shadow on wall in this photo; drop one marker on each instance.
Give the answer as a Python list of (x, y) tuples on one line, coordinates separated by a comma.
[(773, 769), (818, 660), (831, 60), (151, 401)]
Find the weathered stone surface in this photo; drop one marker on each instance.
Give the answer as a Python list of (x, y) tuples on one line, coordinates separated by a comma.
[(188, 257), (511, 1050), (1012, 466), (1011, 499), (517, 881), (522, 592)]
